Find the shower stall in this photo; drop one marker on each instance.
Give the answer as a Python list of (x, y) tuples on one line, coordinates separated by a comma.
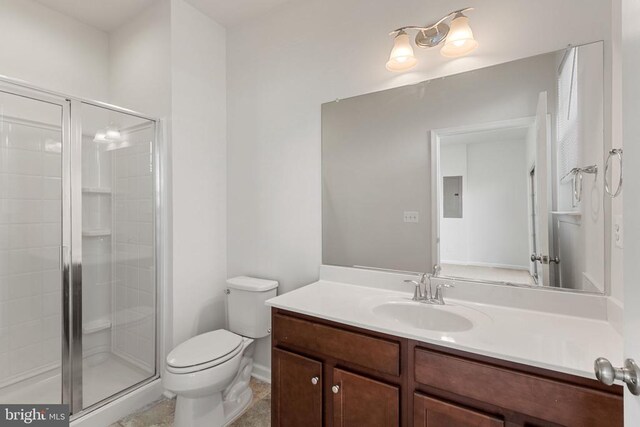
[(79, 201)]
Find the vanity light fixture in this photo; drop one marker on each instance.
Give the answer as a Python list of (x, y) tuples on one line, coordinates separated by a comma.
[(457, 38)]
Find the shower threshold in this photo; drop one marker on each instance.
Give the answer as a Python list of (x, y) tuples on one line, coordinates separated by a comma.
[(100, 380)]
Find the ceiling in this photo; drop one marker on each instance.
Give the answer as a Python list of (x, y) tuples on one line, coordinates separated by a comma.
[(106, 15), (231, 12)]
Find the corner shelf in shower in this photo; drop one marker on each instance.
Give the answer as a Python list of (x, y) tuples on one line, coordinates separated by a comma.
[(96, 326), (567, 213), (96, 233), (96, 190)]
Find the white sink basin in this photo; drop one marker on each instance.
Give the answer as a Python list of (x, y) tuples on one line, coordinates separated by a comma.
[(447, 318)]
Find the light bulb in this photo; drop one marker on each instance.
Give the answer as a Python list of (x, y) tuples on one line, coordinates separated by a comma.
[(113, 134), (460, 40), (401, 57), (100, 136)]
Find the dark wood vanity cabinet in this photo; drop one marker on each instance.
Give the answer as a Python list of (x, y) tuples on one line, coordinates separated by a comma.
[(330, 374), (362, 401), (297, 381)]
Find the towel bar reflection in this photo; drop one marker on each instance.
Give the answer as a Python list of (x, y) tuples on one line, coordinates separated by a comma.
[(617, 152), (576, 174)]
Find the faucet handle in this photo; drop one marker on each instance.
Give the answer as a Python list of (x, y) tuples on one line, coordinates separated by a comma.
[(439, 297), (417, 293)]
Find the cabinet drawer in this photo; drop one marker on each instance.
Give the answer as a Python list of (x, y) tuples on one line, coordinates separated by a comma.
[(374, 353), (429, 412), (539, 397)]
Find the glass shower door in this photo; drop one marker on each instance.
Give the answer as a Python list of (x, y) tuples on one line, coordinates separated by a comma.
[(118, 252), (78, 317), (31, 239)]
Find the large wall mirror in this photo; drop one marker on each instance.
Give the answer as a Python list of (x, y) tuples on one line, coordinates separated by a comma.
[(494, 175)]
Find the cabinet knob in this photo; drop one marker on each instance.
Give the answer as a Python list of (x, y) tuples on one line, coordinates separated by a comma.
[(335, 389), (314, 380)]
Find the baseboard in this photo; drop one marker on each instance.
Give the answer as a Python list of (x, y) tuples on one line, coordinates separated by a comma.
[(486, 264), (261, 372)]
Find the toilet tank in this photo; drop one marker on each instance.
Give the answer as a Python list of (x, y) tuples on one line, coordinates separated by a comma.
[(247, 314)]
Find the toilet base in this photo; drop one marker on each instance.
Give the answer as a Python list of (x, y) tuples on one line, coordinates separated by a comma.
[(219, 408), (210, 411), (234, 412), (199, 411)]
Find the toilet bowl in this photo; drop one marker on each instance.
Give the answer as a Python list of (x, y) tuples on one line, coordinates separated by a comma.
[(210, 373)]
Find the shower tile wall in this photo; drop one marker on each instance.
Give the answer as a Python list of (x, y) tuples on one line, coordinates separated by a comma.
[(134, 334), (30, 235)]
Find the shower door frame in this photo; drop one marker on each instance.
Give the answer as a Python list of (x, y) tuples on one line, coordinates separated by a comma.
[(71, 248)]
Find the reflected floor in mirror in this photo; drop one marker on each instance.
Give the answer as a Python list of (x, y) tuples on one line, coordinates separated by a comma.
[(494, 274), (160, 414)]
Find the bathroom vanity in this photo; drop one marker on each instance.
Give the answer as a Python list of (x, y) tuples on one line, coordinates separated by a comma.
[(338, 359), (493, 179)]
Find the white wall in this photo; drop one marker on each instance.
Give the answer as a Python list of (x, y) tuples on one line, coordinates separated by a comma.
[(198, 135), (453, 231), (170, 62), (51, 50), (631, 129), (283, 65), (140, 79), (494, 203), (617, 142), (140, 62)]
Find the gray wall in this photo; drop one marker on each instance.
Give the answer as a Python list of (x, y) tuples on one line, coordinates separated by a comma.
[(376, 162)]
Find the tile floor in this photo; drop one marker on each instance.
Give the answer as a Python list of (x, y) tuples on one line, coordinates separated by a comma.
[(160, 414)]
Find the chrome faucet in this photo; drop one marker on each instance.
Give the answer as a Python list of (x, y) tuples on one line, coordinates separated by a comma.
[(436, 270), (423, 292), (418, 293), (439, 299)]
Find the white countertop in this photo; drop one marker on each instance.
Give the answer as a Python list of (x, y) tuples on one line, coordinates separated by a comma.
[(552, 341)]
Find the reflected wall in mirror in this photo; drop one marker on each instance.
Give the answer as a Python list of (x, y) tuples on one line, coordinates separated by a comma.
[(494, 174)]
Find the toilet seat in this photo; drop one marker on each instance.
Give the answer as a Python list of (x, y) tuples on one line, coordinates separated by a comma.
[(204, 351)]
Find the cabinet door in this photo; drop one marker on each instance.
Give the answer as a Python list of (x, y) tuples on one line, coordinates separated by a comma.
[(360, 401), (429, 412), (297, 390)]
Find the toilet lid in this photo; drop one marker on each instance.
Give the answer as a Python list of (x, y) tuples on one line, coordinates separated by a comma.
[(204, 348)]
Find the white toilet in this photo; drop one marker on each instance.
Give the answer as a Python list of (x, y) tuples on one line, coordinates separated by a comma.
[(210, 372)]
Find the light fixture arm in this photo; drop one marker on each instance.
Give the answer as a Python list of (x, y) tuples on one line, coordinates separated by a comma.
[(432, 26), (455, 36)]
